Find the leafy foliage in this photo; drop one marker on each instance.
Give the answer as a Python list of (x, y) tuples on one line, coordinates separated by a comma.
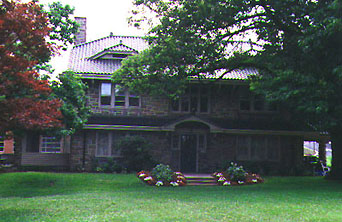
[(72, 92), (296, 45), (135, 153), (236, 172), (162, 172), (25, 101)]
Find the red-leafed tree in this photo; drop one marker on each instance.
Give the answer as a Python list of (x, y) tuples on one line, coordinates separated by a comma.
[(25, 101)]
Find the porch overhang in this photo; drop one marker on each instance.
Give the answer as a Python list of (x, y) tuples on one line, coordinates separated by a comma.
[(171, 128)]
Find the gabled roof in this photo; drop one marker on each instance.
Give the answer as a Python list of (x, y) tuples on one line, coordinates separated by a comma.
[(81, 56), (120, 49), (92, 59)]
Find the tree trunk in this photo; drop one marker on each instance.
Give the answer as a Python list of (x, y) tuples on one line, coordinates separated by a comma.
[(322, 151), (336, 145)]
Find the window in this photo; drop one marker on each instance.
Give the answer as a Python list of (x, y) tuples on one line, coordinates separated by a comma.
[(106, 144), (258, 148), (106, 94), (195, 99), (50, 144), (117, 96), (252, 102), (2, 144)]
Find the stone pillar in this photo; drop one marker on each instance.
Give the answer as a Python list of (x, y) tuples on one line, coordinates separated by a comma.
[(322, 151), (81, 35)]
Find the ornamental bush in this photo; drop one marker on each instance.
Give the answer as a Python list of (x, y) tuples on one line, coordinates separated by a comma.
[(135, 153), (236, 172), (162, 173)]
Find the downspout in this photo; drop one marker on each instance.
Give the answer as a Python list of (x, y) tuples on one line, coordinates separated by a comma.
[(84, 149)]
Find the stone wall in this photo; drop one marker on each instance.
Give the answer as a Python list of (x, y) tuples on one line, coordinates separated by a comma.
[(221, 150), (223, 103)]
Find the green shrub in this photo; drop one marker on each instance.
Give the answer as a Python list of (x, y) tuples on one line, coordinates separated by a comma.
[(236, 172), (135, 153), (106, 165), (162, 173)]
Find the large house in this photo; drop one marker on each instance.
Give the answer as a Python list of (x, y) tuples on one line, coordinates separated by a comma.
[(213, 123)]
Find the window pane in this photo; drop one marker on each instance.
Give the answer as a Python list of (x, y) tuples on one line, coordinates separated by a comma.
[(106, 89), (106, 92), (259, 103), (204, 90), (50, 144), (185, 104), (245, 99), (258, 148), (102, 144), (115, 150), (175, 105), (193, 107), (194, 89), (202, 143), (204, 104), (119, 96), (106, 100), (134, 101)]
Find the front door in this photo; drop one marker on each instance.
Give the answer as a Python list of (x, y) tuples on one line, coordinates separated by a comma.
[(188, 153)]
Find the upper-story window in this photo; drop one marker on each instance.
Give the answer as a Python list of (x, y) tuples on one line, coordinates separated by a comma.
[(116, 96), (252, 102), (195, 100)]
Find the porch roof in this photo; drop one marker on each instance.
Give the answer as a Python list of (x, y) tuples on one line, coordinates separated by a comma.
[(168, 123)]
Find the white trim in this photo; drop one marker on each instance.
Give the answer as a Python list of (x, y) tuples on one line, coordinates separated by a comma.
[(42, 149)]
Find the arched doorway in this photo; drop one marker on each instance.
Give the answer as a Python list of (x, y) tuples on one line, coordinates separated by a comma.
[(191, 139)]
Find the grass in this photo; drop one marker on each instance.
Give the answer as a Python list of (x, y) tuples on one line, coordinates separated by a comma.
[(106, 197)]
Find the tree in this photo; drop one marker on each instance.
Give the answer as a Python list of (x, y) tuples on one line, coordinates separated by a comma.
[(296, 45), (72, 92), (25, 47)]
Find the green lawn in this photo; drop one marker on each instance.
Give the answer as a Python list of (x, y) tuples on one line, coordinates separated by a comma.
[(106, 197)]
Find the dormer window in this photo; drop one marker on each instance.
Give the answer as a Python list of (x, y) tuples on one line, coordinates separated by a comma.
[(116, 52), (119, 56)]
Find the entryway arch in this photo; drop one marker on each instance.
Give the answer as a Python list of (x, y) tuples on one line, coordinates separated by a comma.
[(191, 139)]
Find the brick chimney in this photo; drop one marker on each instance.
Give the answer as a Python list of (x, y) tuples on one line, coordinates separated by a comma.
[(81, 35)]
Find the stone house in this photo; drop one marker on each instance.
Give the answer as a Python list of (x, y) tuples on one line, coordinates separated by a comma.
[(213, 123)]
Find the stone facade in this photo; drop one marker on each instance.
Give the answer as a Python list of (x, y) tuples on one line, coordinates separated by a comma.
[(220, 148)]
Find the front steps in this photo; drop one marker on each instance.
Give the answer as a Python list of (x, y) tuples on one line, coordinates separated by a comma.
[(200, 180)]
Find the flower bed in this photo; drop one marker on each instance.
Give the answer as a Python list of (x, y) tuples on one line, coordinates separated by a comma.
[(177, 179), (225, 179)]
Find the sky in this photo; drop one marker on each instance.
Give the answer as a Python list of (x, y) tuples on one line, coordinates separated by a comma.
[(103, 17)]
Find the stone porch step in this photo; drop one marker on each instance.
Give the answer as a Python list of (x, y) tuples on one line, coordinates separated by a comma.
[(200, 180)]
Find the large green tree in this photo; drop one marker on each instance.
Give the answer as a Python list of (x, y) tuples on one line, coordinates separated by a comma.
[(70, 89), (295, 44)]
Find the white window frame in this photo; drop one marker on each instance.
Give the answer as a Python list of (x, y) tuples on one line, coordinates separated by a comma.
[(127, 95), (43, 148)]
